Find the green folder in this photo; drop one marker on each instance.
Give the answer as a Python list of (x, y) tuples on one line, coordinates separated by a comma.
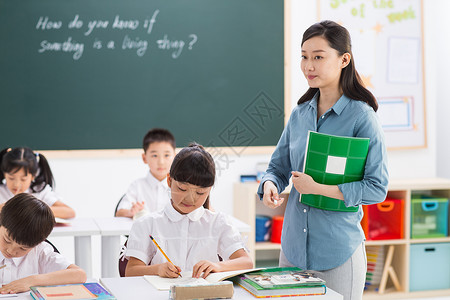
[(333, 160)]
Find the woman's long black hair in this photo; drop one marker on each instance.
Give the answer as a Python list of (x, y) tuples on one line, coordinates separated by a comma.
[(339, 39)]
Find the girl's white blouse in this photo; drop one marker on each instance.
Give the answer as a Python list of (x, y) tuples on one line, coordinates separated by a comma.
[(186, 239)]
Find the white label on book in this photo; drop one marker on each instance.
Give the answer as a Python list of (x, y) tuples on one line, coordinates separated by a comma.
[(336, 165)]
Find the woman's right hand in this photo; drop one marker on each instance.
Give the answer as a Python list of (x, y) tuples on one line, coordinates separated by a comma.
[(271, 198)]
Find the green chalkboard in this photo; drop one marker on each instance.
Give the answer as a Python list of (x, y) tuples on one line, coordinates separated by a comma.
[(97, 74)]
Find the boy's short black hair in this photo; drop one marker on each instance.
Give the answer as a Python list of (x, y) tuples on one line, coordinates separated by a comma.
[(27, 219), (158, 135)]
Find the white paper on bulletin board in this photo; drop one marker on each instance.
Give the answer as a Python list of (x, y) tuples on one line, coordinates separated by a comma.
[(387, 45)]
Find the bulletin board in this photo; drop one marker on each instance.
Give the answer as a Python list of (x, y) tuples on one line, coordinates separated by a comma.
[(387, 46)]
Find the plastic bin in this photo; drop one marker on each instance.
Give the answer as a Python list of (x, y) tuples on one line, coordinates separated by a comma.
[(262, 228), (429, 267), (384, 221), (429, 217), (277, 227)]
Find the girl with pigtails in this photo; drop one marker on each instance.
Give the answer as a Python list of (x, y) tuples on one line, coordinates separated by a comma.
[(25, 171)]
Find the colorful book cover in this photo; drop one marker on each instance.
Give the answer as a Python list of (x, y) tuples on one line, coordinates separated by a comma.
[(279, 278), (90, 290), (287, 291), (333, 160)]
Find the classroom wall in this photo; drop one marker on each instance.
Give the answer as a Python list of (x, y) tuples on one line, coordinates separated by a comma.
[(441, 50), (412, 163), (92, 186)]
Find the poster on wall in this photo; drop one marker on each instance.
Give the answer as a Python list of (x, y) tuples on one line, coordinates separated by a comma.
[(387, 45)]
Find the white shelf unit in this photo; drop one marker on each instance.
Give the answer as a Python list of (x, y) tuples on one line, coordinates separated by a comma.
[(247, 205)]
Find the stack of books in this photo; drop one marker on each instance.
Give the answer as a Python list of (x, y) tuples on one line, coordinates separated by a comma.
[(89, 290), (281, 282)]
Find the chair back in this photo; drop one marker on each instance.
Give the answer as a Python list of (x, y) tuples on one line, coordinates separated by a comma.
[(54, 248), (117, 206), (123, 261)]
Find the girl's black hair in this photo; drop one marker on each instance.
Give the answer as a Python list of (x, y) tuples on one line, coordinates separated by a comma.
[(12, 160), (194, 165), (338, 38), (27, 219)]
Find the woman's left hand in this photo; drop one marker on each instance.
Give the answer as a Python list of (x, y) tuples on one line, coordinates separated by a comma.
[(304, 183)]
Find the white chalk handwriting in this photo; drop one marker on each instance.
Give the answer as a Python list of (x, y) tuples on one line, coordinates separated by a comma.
[(78, 35)]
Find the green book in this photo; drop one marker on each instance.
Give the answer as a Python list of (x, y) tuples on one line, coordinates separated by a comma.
[(332, 160), (281, 282), (281, 278)]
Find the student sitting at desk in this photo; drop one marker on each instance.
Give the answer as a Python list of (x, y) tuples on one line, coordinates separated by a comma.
[(24, 171), (26, 259), (190, 234), (150, 193)]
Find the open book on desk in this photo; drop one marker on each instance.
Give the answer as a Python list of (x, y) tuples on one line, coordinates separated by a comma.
[(62, 222), (161, 283)]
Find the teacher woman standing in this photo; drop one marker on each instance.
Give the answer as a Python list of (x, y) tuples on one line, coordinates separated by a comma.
[(329, 243)]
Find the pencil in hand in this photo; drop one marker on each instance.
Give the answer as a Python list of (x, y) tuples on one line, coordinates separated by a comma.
[(163, 253)]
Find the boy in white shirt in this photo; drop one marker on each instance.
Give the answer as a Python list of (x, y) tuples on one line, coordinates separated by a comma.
[(25, 258), (150, 193)]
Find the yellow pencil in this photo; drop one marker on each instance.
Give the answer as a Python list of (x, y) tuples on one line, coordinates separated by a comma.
[(168, 259)]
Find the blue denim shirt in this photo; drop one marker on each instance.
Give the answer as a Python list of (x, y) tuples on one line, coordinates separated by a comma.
[(318, 239)]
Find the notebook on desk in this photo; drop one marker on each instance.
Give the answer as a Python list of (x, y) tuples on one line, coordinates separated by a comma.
[(62, 222), (164, 284), (90, 290)]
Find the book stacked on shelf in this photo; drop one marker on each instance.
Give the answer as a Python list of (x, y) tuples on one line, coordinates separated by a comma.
[(281, 282)]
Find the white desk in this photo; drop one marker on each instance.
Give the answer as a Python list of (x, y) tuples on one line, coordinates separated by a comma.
[(81, 229), (21, 296), (131, 288), (113, 227)]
